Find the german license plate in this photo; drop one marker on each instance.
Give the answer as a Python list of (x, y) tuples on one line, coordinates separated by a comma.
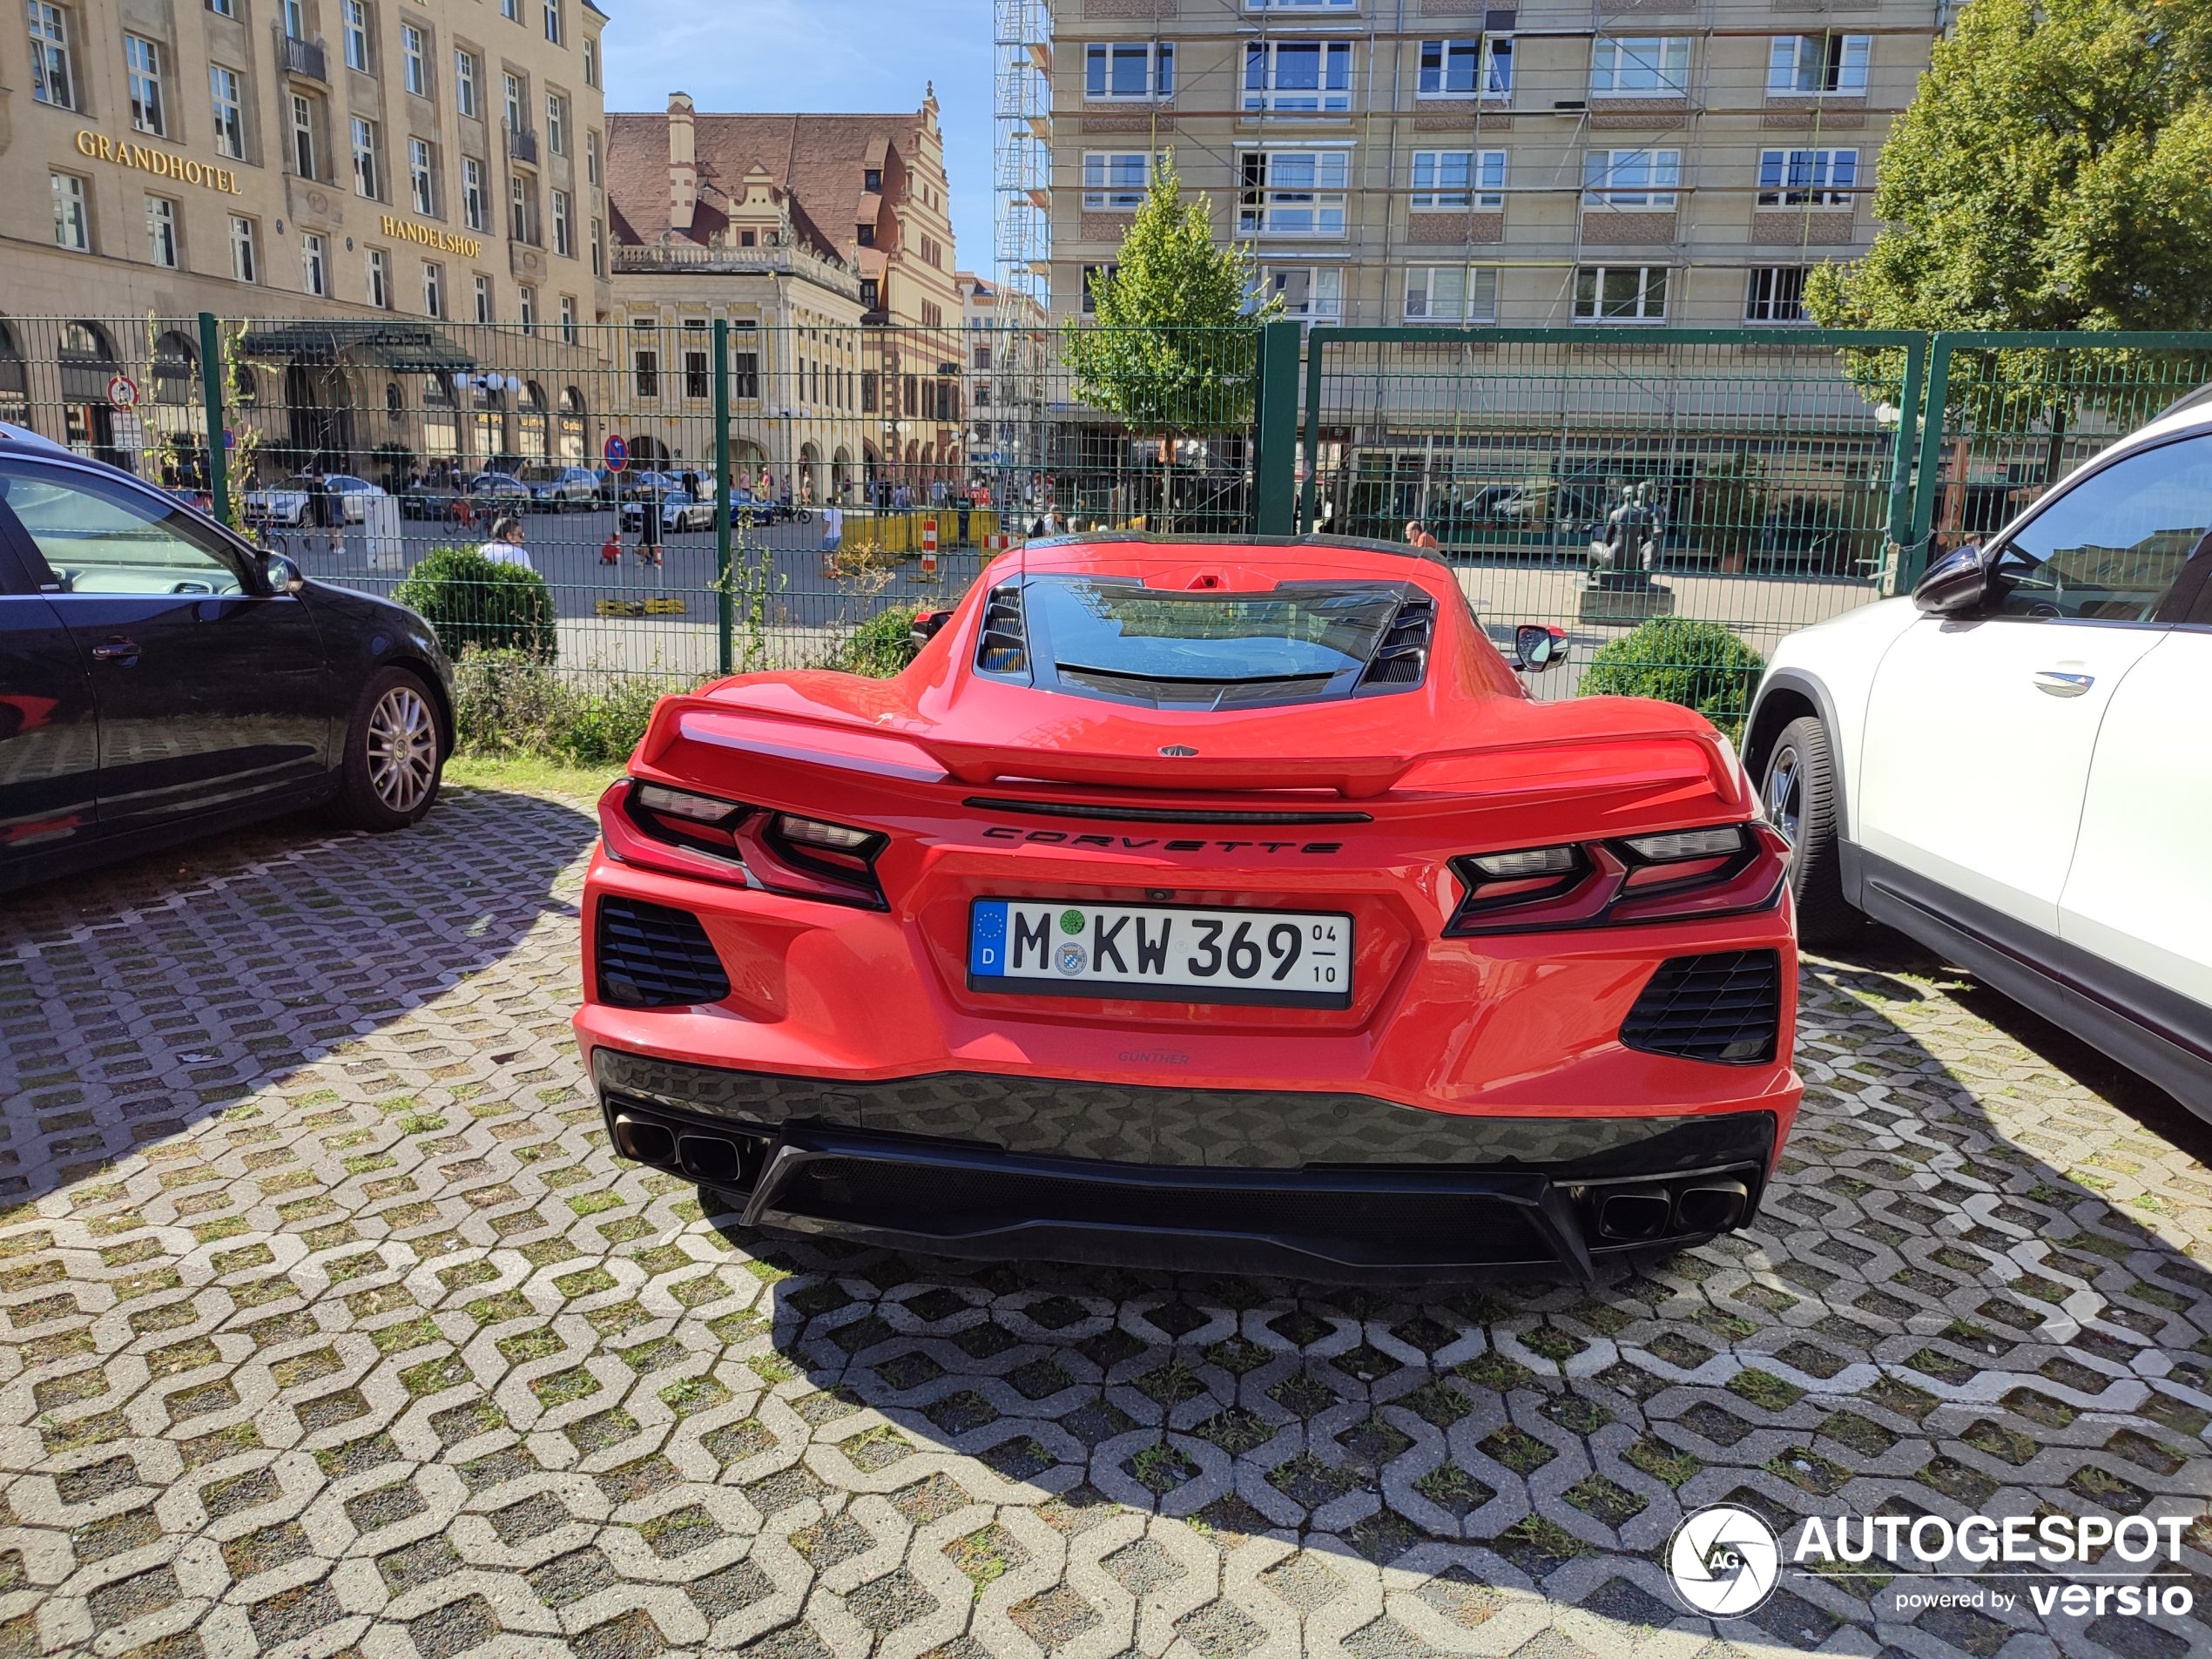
[(1047, 947)]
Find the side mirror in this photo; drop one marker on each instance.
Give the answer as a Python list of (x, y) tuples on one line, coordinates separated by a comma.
[(1956, 583), (1538, 645), (926, 626), (281, 573)]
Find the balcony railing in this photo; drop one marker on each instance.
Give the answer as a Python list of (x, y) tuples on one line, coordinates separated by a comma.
[(635, 259), (522, 143), (305, 58)]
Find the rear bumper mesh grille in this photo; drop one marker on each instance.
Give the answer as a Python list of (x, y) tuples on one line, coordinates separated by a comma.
[(650, 956), (1725, 1008)]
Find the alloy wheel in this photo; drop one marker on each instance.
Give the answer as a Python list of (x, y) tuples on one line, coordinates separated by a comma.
[(1785, 796), (402, 749)]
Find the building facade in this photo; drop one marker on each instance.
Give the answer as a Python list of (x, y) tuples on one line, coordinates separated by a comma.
[(1007, 353), (1446, 161), (350, 173), (826, 241)]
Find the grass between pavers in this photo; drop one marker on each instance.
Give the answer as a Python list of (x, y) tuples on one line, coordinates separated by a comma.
[(530, 775)]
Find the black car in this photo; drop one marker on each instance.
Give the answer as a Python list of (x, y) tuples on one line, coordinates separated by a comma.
[(162, 679)]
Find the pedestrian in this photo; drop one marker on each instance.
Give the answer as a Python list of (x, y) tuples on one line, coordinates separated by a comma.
[(650, 531), (1417, 536), (832, 527), (506, 544), (327, 508), (691, 483)]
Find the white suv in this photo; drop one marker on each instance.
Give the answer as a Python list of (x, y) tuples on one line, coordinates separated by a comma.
[(2014, 766)]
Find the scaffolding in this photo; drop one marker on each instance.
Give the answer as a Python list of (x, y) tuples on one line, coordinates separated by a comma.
[(1023, 111)]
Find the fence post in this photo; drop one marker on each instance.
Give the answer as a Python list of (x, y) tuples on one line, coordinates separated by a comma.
[(1914, 564), (1908, 428), (725, 600), (1275, 478), (211, 398), (1316, 343)]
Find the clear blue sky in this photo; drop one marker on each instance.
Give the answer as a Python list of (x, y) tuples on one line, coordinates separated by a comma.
[(822, 55)]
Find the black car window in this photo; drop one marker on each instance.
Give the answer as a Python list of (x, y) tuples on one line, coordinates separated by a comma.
[(2111, 548), (101, 535)]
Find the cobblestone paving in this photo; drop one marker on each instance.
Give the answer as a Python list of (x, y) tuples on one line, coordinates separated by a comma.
[(330, 1322)]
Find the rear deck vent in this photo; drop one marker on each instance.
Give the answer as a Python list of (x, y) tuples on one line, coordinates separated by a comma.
[(1004, 647), (1724, 1008), (650, 956), (1401, 655)]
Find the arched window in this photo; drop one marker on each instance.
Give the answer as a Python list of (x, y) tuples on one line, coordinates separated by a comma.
[(176, 370), (395, 400)]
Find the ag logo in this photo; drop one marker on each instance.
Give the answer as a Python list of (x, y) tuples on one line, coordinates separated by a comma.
[(1071, 958), (1724, 1562)]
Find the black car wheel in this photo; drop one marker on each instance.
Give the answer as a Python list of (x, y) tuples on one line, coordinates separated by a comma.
[(1799, 795), (395, 753)]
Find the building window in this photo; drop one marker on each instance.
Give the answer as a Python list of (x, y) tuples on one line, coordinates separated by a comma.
[(696, 376), (1775, 293), (1798, 64), (1452, 293), (1300, 5), (466, 77), (1640, 66), (871, 294), (227, 96), (518, 210), (1292, 192), (933, 314), (246, 264), (295, 15), (517, 117), (590, 61), (434, 290), (72, 226), (1631, 177), (553, 21), (223, 7), (472, 192), (415, 61), (526, 308), (1114, 181), (483, 299), (422, 176), (368, 175), (1298, 74), (1621, 293), (646, 365), (315, 265), (353, 24), (51, 81), (556, 124), (142, 66), (1309, 294), (568, 320), (1467, 68), (1807, 178), (591, 157), (1093, 276), (379, 279), (562, 242), (1136, 69), (1447, 178), (744, 374), (872, 181), (511, 10), (303, 136), (598, 251), (161, 231)]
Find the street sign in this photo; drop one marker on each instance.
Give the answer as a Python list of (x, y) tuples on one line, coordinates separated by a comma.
[(230, 438), (615, 452), (123, 392), (127, 431)]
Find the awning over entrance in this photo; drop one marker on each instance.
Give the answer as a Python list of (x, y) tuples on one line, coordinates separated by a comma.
[(411, 349)]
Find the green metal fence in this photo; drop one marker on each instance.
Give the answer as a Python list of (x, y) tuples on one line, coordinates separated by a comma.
[(1598, 478)]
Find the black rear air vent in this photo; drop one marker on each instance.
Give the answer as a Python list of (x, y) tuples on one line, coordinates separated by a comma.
[(1401, 655), (1004, 647), (1724, 1008), (650, 956)]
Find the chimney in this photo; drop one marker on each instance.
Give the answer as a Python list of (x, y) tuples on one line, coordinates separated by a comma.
[(683, 164)]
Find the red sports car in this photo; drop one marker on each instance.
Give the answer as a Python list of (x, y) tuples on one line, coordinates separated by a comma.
[(1197, 905)]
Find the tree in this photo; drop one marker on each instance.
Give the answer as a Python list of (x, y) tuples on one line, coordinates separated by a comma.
[(1173, 342), (2053, 172)]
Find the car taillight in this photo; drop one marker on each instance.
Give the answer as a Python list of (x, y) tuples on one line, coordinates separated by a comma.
[(679, 832), (1680, 875)]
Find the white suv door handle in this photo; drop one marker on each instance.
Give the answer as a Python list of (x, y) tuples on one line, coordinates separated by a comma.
[(2057, 683)]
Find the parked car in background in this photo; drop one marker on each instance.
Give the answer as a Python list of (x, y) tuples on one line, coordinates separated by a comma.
[(559, 489), (290, 505), (2012, 766), (498, 492), (161, 678), (636, 486), (679, 511)]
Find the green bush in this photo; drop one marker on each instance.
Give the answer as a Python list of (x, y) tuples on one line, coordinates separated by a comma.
[(880, 646), (507, 702), (1699, 665), (472, 603)]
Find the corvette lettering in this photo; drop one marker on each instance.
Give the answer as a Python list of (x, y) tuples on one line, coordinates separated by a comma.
[(1139, 843)]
